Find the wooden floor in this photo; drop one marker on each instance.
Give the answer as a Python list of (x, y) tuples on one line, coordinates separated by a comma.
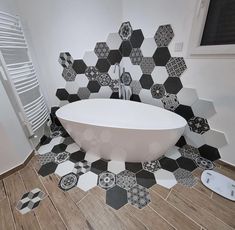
[(178, 208)]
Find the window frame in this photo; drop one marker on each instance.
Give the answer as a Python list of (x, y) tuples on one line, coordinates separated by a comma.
[(195, 50)]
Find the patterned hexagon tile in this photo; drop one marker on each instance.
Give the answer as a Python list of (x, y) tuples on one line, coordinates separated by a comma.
[(145, 178), (176, 66), (151, 166), (46, 158), (126, 78), (170, 102), (138, 196), (116, 197), (126, 179), (185, 177), (68, 181), (147, 65), (125, 30), (165, 178), (204, 163), (87, 181), (81, 167), (62, 157), (107, 180), (198, 125), (164, 35), (69, 74)]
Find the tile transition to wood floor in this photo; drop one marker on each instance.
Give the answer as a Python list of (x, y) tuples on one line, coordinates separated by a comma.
[(176, 208)]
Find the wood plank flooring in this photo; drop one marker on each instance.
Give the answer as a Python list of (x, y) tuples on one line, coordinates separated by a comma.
[(178, 208)]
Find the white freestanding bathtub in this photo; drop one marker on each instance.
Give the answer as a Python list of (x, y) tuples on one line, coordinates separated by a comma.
[(121, 130)]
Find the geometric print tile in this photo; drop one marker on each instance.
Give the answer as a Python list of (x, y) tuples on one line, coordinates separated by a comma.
[(147, 65), (81, 167), (204, 163), (136, 56), (69, 74), (46, 158), (158, 91), (138, 196), (104, 79), (62, 157), (175, 66), (126, 179), (135, 87), (198, 125), (68, 181), (65, 59), (101, 50), (151, 166), (92, 73), (126, 78), (107, 180), (170, 102), (185, 177), (189, 152), (125, 31), (164, 35), (30, 200)]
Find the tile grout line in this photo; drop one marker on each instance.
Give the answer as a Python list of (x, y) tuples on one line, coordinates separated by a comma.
[(8, 201)]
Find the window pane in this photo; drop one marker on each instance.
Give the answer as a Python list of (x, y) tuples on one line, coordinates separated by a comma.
[(220, 23)]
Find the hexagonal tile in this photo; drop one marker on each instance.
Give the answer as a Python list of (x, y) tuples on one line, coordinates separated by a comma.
[(189, 152), (77, 156), (80, 81), (204, 163), (125, 30), (79, 66), (126, 78), (114, 41), (93, 86), (168, 164), (114, 57), (103, 65), (173, 85), (69, 74), (198, 125), (209, 152), (173, 153), (46, 158), (184, 111), (101, 50), (125, 48), (48, 147), (107, 180), (114, 85), (90, 58), (187, 96), (148, 47), (104, 92), (116, 197), (61, 157), (215, 138), (185, 177), (186, 163), (135, 87), (73, 98), (147, 65), (116, 166), (181, 142), (151, 166), (136, 56), (47, 169), (146, 81), (81, 167), (138, 196), (99, 166), (104, 79), (62, 94), (159, 74), (64, 168), (126, 179), (133, 167), (65, 59), (158, 91), (59, 148), (176, 66), (161, 56), (68, 181), (135, 97), (192, 138), (145, 178), (87, 181), (137, 38), (84, 93), (164, 35), (91, 157), (170, 102), (92, 73), (165, 178), (71, 148), (202, 108)]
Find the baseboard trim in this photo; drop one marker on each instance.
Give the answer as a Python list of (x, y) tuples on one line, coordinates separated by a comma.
[(18, 167)]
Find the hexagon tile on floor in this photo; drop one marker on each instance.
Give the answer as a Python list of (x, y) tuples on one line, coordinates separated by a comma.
[(124, 182)]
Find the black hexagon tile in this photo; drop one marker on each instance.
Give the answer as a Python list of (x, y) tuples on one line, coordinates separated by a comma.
[(185, 111), (47, 169), (99, 166), (209, 152), (79, 66), (125, 48), (145, 178), (161, 56), (146, 81), (135, 97), (73, 98), (93, 86), (116, 197), (133, 167), (137, 38), (62, 94), (107, 180), (168, 164), (164, 35), (77, 156), (173, 85), (59, 148), (186, 163), (103, 65), (114, 57)]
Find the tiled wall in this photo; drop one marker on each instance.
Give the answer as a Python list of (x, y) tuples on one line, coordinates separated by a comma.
[(153, 75)]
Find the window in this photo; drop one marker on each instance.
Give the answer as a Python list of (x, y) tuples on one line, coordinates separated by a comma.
[(213, 30)]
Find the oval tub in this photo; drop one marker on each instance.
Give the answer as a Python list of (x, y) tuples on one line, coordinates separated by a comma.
[(121, 130)]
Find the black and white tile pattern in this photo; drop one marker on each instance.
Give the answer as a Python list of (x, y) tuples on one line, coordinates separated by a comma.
[(164, 35), (68, 181), (204, 163), (30, 200), (107, 180), (61, 157), (82, 167), (151, 166), (126, 179), (125, 30)]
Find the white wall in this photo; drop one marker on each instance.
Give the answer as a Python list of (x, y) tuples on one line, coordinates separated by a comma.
[(74, 26), (212, 78)]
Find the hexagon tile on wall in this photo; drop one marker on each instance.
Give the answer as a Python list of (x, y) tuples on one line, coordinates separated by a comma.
[(152, 73)]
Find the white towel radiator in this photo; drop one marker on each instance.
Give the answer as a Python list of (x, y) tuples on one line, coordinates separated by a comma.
[(17, 69)]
